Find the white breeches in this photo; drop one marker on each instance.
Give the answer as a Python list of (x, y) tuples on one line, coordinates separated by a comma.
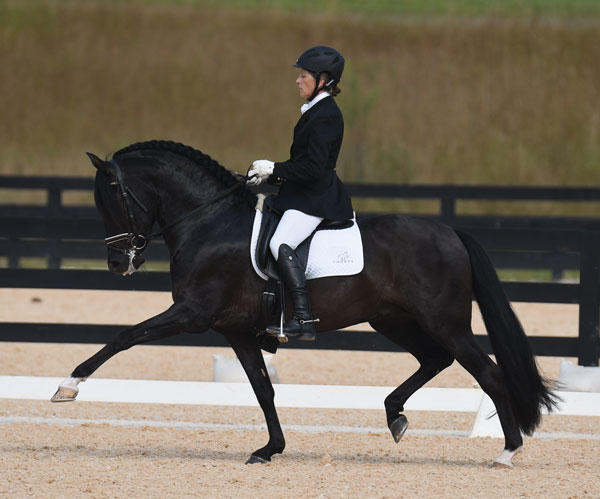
[(294, 227)]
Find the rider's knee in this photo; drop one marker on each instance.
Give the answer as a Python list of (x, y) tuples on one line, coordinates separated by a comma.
[(279, 248)]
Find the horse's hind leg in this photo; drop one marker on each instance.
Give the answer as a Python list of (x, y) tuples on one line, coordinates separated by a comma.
[(491, 379), (461, 343), (176, 319), (248, 352), (432, 359)]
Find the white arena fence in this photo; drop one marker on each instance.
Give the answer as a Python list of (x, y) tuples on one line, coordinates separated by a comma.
[(288, 395)]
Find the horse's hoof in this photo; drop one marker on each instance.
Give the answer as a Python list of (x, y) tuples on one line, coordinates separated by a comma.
[(504, 460), (64, 394), (398, 427), (256, 460)]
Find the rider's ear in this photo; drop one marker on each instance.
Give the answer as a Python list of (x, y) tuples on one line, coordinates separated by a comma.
[(103, 166)]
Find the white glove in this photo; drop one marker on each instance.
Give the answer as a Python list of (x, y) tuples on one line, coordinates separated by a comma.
[(260, 171)]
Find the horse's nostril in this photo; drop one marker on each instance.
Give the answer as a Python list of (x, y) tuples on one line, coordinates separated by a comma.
[(113, 264)]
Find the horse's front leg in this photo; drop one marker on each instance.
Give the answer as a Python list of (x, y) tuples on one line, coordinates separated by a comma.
[(248, 352), (177, 319)]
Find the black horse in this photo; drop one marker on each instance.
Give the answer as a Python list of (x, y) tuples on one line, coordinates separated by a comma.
[(416, 287)]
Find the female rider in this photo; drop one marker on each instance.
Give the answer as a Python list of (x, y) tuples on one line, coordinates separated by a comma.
[(310, 188)]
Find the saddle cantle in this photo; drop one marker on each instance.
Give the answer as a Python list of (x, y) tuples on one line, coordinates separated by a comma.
[(270, 219)]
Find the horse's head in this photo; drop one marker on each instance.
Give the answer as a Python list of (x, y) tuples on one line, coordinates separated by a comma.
[(123, 203)]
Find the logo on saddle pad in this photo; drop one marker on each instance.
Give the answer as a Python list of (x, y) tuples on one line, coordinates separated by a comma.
[(343, 258)]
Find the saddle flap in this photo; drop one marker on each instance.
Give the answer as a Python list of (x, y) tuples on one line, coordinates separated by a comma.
[(270, 219)]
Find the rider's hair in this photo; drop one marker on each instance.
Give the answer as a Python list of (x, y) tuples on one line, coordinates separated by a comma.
[(333, 89)]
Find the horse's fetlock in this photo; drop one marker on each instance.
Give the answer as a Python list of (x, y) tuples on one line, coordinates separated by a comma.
[(392, 408), (387, 403)]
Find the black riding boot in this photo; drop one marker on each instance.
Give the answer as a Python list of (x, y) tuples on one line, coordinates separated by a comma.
[(293, 278)]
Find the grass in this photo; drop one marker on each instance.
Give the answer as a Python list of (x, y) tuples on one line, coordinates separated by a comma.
[(403, 7), (77, 263), (491, 100), (80, 263), (35, 197), (541, 275), (506, 275)]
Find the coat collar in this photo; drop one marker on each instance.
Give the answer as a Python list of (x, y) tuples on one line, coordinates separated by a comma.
[(318, 98)]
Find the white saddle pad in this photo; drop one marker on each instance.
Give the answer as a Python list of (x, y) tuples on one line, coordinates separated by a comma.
[(332, 252)]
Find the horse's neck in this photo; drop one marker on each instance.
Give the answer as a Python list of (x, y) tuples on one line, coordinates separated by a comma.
[(180, 195)]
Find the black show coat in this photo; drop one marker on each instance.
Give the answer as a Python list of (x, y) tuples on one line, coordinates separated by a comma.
[(310, 183)]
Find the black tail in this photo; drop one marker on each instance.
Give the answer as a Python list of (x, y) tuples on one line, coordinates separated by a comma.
[(528, 391)]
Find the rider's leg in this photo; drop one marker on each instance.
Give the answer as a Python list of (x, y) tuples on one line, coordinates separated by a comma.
[(292, 275), (295, 227)]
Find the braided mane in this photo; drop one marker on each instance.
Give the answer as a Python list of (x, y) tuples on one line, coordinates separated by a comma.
[(201, 159)]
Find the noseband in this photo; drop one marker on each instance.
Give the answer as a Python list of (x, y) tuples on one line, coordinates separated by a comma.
[(137, 242)]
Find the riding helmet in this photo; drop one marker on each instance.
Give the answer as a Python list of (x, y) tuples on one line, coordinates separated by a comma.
[(321, 58)]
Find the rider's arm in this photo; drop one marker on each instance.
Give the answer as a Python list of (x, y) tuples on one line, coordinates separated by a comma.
[(314, 160)]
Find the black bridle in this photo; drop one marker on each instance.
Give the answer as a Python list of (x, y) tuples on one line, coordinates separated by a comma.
[(137, 241)]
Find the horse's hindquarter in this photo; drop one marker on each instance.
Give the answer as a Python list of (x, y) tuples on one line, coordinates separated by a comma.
[(427, 260), (411, 265)]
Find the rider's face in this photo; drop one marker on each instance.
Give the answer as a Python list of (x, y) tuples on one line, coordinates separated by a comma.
[(306, 83)]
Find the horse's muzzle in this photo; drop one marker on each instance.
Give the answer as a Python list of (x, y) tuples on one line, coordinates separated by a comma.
[(125, 264), (138, 261)]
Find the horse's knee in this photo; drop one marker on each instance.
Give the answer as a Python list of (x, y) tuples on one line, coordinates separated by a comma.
[(435, 364), (444, 360)]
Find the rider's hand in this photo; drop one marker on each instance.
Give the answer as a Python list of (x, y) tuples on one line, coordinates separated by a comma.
[(256, 180), (260, 171)]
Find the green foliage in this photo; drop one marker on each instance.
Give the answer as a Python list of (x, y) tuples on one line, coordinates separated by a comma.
[(400, 7)]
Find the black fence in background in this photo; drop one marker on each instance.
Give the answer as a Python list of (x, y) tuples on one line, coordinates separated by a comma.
[(55, 231)]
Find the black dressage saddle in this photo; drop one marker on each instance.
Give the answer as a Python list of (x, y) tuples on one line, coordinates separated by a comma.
[(270, 218)]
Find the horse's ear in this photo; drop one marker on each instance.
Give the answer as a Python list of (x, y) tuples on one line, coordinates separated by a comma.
[(101, 165), (97, 162)]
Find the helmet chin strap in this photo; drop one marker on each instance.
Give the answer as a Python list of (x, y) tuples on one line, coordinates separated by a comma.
[(317, 88)]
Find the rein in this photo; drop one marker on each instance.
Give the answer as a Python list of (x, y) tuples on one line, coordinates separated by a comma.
[(137, 241), (220, 196)]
